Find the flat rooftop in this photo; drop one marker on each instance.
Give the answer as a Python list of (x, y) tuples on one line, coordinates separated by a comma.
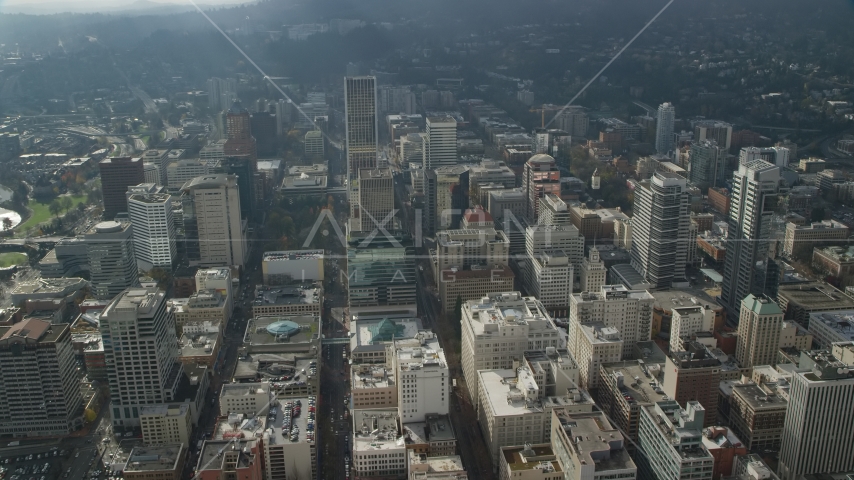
[(504, 309), (384, 436), (374, 376), (286, 255), (211, 457), (586, 431), (816, 296), (840, 323), (507, 392), (304, 330), (244, 389), (536, 457), (155, 458), (758, 398), (372, 331), (285, 296), (449, 464), (642, 384)]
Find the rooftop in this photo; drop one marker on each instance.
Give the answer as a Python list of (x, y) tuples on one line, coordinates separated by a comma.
[(371, 376), (497, 310), (759, 398), (841, 323), (640, 383), (761, 305), (286, 255), (376, 429), (257, 332), (510, 392), (166, 410), (531, 457), (815, 296), (285, 295), (715, 438), (594, 440), (155, 458), (421, 462), (33, 330), (375, 331), (244, 389), (214, 453)]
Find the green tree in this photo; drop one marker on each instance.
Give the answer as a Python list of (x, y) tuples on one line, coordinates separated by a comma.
[(66, 203), (55, 207)]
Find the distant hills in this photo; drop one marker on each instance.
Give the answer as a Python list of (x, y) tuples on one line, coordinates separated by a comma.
[(117, 7)]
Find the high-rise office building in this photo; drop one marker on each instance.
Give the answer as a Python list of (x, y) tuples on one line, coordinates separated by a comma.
[(159, 158), (112, 262), (686, 322), (593, 272), (518, 323), (440, 144), (720, 132), (221, 93), (376, 199), (154, 235), (759, 327), (541, 177), (39, 388), (670, 440), (449, 196), (239, 141), (380, 269), (117, 174), (708, 164), (244, 171), (629, 311), (664, 128), (180, 172), (212, 220), (141, 351), (755, 188), (693, 374), (314, 144), (423, 380), (263, 129), (660, 223), (360, 115), (818, 428)]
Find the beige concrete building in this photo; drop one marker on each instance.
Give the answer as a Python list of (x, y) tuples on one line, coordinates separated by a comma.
[(808, 236), (245, 398), (215, 220), (759, 329), (373, 386), (757, 412), (464, 248), (688, 321), (593, 272), (629, 311), (166, 423), (423, 467), (158, 462), (626, 387), (595, 344), (575, 440), (473, 283), (795, 336), (513, 411), (529, 462), (202, 306), (498, 329)]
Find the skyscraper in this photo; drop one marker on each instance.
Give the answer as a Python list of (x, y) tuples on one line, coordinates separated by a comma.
[(708, 164), (818, 428), (755, 188), (360, 112), (376, 199), (39, 388), (141, 351), (662, 218), (664, 128), (112, 264), (440, 144), (150, 214), (380, 270), (720, 132), (221, 93), (214, 215), (239, 141), (541, 177), (117, 174), (759, 327)]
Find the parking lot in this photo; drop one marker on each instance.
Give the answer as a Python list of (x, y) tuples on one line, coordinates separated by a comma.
[(39, 466)]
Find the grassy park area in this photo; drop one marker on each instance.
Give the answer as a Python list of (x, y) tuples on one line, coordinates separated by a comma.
[(12, 258), (41, 213)]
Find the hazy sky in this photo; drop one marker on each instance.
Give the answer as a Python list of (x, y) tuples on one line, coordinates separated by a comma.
[(51, 6)]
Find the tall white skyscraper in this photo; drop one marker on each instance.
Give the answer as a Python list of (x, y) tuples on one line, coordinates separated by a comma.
[(818, 428), (141, 351), (755, 188), (221, 93), (659, 229), (112, 264), (360, 115), (664, 127), (153, 227), (422, 377), (440, 146)]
